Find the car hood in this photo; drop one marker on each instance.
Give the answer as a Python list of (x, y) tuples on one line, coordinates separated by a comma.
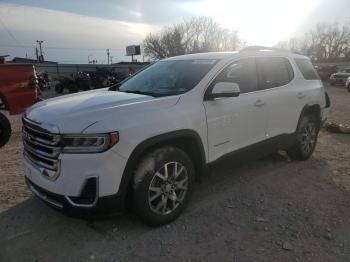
[(74, 113)]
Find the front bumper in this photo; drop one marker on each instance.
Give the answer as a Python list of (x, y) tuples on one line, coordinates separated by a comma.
[(84, 181), (107, 204), (75, 169)]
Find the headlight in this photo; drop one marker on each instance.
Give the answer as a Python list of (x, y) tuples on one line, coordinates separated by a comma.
[(90, 143)]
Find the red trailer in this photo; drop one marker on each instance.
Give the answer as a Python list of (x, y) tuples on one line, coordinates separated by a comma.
[(18, 90)]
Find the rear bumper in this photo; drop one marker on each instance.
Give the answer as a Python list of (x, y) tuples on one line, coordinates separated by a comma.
[(88, 203)]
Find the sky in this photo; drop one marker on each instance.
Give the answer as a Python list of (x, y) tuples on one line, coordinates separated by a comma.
[(79, 30)]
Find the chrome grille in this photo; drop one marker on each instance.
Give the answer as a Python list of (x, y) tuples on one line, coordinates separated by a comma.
[(41, 147)]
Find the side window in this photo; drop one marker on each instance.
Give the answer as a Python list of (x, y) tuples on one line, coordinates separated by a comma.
[(306, 69), (242, 72), (274, 72)]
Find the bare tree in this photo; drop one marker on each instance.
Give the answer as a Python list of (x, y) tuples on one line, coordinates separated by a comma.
[(199, 34), (326, 42), (293, 44)]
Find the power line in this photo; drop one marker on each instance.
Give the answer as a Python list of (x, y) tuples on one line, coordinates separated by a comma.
[(67, 48), (10, 34), (84, 48)]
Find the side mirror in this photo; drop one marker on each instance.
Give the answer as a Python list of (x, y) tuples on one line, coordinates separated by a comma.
[(225, 89)]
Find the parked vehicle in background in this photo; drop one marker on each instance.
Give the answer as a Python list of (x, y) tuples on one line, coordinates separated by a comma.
[(105, 77), (18, 90), (340, 77), (325, 71), (75, 83), (43, 81), (347, 84), (83, 81), (65, 85), (148, 139)]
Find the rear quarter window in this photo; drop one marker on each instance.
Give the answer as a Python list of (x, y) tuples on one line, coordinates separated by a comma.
[(307, 69)]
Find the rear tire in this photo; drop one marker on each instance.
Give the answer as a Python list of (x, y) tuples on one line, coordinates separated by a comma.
[(163, 183), (5, 130), (307, 133)]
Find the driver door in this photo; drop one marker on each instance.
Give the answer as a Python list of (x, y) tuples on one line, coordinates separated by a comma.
[(236, 122)]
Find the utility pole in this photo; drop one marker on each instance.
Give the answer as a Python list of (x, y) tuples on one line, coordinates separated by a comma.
[(108, 55), (111, 59), (41, 57), (37, 54)]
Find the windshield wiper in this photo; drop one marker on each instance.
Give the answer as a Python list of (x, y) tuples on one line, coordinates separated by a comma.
[(115, 87), (141, 93)]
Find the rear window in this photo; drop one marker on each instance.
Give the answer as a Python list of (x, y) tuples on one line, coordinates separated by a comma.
[(307, 69)]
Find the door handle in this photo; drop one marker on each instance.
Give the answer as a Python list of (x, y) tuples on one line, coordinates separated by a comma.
[(259, 103), (300, 95)]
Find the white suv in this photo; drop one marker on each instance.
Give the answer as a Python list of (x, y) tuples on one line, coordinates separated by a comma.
[(148, 139)]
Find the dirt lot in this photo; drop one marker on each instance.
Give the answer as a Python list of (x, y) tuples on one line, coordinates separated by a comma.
[(266, 210)]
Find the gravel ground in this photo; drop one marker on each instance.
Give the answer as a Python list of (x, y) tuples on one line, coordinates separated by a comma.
[(271, 209)]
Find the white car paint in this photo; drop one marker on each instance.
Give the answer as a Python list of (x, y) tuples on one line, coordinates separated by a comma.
[(223, 125)]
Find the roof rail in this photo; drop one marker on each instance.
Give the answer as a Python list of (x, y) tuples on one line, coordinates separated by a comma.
[(263, 48)]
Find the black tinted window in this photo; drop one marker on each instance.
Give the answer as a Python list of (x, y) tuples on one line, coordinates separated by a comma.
[(274, 72), (242, 72), (307, 69)]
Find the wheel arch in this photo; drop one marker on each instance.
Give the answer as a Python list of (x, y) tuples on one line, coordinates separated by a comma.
[(187, 140), (314, 110)]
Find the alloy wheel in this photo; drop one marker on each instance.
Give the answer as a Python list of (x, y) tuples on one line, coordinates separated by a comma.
[(168, 188), (308, 138)]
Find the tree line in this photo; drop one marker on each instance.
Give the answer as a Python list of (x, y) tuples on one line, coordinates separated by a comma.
[(196, 35), (326, 42)]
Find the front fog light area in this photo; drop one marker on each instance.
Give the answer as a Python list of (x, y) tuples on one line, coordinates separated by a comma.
[(92, 143)]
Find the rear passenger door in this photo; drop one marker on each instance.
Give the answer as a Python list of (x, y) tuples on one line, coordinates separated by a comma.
[(276, 81)]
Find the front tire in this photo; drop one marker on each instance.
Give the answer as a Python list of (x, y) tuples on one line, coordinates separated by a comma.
[(306, 133), (163, 183), (5, 130)]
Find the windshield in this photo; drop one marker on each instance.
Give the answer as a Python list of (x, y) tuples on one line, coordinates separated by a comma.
[(166, 78)]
